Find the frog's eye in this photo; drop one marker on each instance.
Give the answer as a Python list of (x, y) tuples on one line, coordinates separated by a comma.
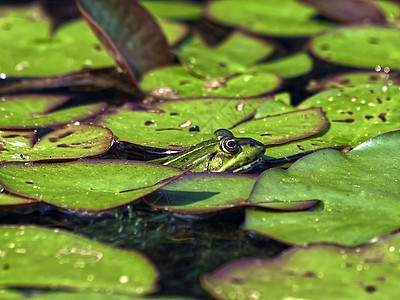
[(229, 146)]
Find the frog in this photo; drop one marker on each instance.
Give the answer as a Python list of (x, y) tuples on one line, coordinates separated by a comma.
[(222, 153)]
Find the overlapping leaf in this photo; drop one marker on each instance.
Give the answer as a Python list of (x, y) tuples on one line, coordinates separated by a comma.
[(359, 190), (312, 272), (36, 111), (72, 141), (85, 184)]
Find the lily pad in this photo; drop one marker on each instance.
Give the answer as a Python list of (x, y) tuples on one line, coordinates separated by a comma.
[(129, 32), (177, 82), (287, 67), (11, 200), (31, 50), (354, 79), (205, 193), (176, 10), (313, 272), (72, 141), (270, 17), (370, 47), (29, 111), (174, 31), (58, 259), (234, 55), (355, 115), (359, 190), (179, 124), (85, 184)]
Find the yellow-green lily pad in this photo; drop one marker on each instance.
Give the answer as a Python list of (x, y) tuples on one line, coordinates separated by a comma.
[(85, 184), (370, 47), (60, 260), (29, 48), (272, 17), (359, 191), (313, 272), (7, 200), (178, 124), (355, 115), (175, 10), (72, 141), (37, 111), (177, 82)]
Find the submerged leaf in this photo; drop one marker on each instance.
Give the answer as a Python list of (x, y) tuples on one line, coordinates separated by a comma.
[(359, 190), (129, 32)]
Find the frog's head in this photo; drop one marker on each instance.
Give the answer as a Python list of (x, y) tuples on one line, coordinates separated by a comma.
[(233, 154)]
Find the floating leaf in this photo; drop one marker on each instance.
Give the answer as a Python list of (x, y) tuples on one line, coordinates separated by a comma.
[(270, 17), (234, 55), (129, 32), (177, 82), (11, 200), (30, 50), (19, 112), (359, 190), (181, 10), (58, 259), (351, 80), (72, 141), (179, 124), (355, 115), (371, 47), (366, 272), (204, 193), (283, 128), (174, 32), (291, 66), (85, 184)]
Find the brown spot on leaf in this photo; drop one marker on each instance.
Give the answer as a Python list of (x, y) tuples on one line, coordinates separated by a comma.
[(300, 147), (63, 146), (371, 91), (344, 121), (6, 266), (267, 134), (10, 136), (382, 116), (379, 100), (75, 144), (310, 274), (358, 283), (237, 280), (222, 64), (368, 117), (88, 147), (370, 289), (147, 123), (183, 82), (388, 98), (380, 278), (346, 112), (29, 182), (324, 47), (53, 139), (313, 144), (373, 40)]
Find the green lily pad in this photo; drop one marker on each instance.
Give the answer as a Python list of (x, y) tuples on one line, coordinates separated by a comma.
[(177, 82), (370, 47), (234, 55), (205, 193), (11, 200), (351, 80), (391, 11), (280, 103), (172, 127), (283, 128), (287, 67), (355, 115), (85, 184), (174, 31), (129, 32), (176, 10), (72, 141), (359, 190), (313, 272), (20, 112), (58, 259), (270, 17), (30, 50)]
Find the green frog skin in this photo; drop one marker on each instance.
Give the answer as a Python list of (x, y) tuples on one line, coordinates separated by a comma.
[(222, 153)]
